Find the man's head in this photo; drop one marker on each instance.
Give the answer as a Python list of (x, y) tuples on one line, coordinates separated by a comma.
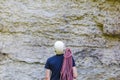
[(59, 47)]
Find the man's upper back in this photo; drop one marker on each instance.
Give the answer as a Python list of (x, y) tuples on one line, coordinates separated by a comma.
[(55, 64)]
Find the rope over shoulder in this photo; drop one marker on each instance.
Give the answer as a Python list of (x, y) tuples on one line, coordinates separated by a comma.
[(67, 71)]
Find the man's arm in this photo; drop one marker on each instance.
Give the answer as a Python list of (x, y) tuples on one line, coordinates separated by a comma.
[(75, 72), (47, 74)]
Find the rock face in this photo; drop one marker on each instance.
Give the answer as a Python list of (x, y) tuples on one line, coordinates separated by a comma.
[(29, 28)]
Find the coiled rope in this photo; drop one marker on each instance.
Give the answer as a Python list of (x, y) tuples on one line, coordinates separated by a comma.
[(67, 71)]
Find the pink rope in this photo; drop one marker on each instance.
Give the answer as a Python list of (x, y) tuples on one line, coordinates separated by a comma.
[(67, 71)]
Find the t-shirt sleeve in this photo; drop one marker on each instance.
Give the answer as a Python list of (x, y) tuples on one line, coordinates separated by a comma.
[(73, 62), (47, 65)]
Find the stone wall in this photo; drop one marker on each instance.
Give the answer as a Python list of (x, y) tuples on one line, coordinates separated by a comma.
[(29, 28)]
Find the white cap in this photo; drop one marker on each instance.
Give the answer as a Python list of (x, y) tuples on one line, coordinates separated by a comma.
[(59, 47)]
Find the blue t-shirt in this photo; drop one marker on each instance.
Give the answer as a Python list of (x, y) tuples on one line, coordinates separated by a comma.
[(54, 63)]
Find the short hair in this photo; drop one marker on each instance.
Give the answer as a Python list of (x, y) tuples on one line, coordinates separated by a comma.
[(59, 46)]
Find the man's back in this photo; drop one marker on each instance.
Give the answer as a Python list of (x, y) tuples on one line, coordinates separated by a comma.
[(55, 64)]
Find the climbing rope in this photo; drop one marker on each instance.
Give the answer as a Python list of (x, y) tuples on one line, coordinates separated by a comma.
[(67, 71)]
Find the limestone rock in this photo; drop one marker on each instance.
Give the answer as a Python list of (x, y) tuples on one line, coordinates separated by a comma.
[(29, 28)]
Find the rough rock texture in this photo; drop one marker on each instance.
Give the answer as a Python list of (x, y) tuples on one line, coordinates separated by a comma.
[(29, 28)]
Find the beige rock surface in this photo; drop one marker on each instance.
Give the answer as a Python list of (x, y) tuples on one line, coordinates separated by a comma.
[(29, 28)]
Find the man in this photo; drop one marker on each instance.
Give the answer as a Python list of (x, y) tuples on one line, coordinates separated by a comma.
[(54, 64)]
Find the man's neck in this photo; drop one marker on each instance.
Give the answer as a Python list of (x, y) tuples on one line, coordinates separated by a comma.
[(59, 54)]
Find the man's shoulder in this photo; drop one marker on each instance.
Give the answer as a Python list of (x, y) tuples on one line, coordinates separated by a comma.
[(51, 58)]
